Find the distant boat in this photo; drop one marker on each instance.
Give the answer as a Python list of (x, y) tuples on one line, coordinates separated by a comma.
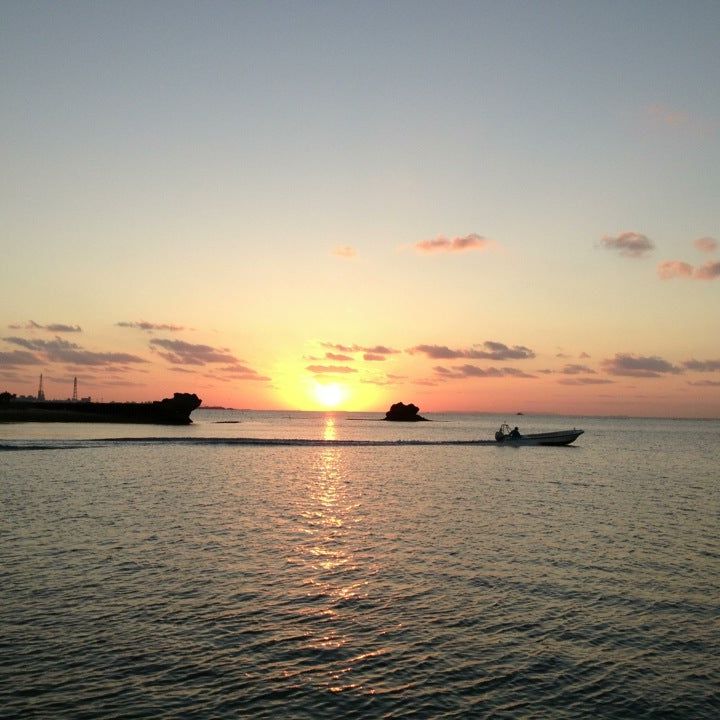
[(170, 411), (505, 436)]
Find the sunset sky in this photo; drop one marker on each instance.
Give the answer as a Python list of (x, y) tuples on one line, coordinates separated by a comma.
[(491, 206)]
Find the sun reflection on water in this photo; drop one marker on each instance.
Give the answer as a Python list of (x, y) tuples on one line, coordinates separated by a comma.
[(333, 565)]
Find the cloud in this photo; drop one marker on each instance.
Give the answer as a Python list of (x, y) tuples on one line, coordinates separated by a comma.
[(573, 369), (236, 372), (373, 357), (337, 357), (242, 372), (585, 381), (18, 357), (668, 116), (628, 244), (706, 244), (705, 383), (149, 327), (639, 366), (442, 244), (701, 365), (179, 352), (344, 251), (468, 371), (669, 269), (375, 349), (52, 327), (583, 356), (59, 350), (708, 271), (492, 351), (325, 369)]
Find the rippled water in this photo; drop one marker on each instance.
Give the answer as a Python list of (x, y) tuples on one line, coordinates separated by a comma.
[(193, 577)]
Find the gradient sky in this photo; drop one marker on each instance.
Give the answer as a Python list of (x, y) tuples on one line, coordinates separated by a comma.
[(472, 206)]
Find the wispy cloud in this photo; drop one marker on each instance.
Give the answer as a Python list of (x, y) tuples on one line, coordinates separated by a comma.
[(150, 327), (704, 383), (329, 369), (491, 350), (443, 244), (702, 365), (628, 244), (374, 349), (338, 357), (51, 327), (179, 352), (373, 357), (472, 371), (585, 381), (706, 244), (344, 251), (574, 369), (668, 116), (237, 372), (59, 350), (639, 366), (18, 357), (671, 269), (709, 271)]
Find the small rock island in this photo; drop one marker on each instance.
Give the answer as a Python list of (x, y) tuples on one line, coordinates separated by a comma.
[(399, 412)]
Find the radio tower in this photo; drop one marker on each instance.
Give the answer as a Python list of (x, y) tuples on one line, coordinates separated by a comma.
[(41, 392), (75, 390)]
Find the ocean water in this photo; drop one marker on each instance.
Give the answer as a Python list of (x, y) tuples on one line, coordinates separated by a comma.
[(153, 572)]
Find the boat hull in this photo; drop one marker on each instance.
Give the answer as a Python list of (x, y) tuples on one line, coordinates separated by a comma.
[(561, 437)]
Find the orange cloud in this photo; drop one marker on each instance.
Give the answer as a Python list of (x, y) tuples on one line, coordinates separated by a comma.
[(179, 352), (467, 371), (492, 351), (52, 327), (670, 269), (375, 349), (706, 244), (639, 366), (585, 381), (702, 365), (344, 251), (668, 116), (149, 327), (709, 271), (457, 244), (59, 350), (628, 244), (325, 369), (18, 357)]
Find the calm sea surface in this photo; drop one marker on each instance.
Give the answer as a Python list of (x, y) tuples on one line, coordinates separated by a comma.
[(185, 572)]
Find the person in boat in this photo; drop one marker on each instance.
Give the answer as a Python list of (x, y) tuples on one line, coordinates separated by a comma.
[(514, 433)]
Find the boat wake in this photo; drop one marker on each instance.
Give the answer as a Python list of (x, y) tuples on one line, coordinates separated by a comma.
[(212, 441)]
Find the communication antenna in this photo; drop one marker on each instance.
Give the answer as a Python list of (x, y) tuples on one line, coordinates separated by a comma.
[(41, 392), (75, 390)]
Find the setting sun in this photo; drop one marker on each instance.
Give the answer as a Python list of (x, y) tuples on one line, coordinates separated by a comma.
[(330, 395)]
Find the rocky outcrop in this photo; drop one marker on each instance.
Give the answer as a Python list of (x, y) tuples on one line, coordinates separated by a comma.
[(399, 412)]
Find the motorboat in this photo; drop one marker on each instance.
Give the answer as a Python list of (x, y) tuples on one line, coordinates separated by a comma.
[(506, 436)]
